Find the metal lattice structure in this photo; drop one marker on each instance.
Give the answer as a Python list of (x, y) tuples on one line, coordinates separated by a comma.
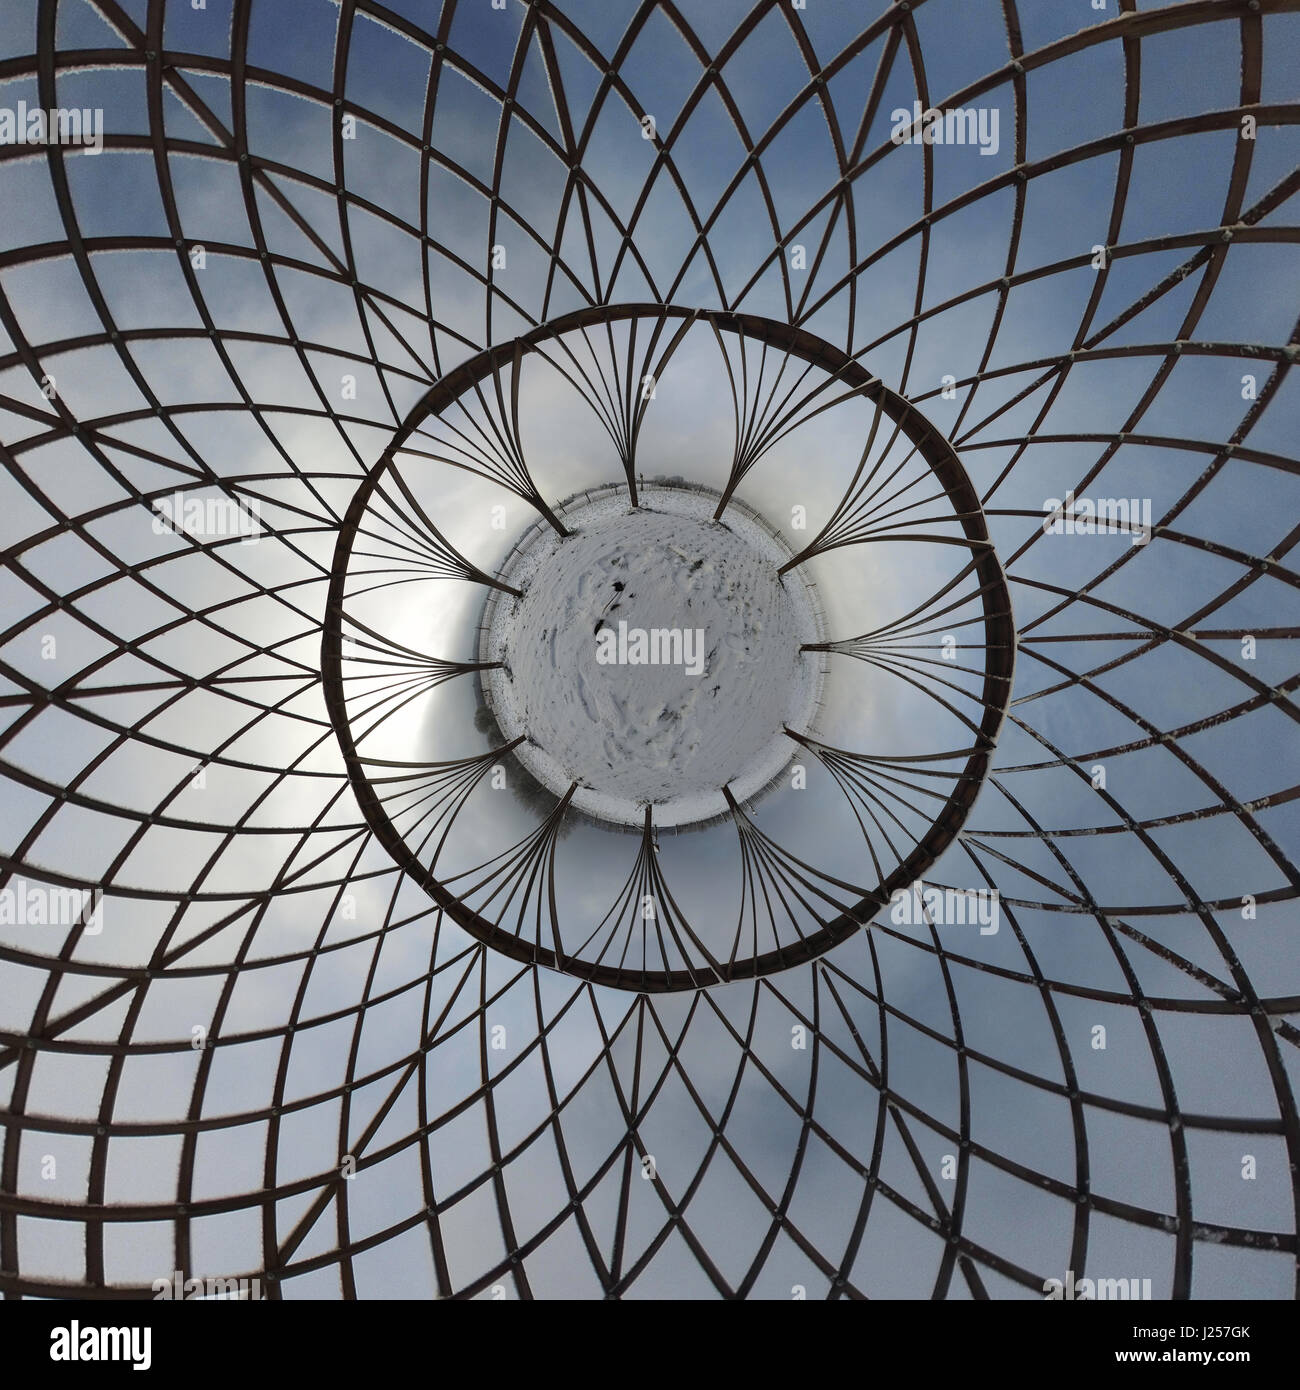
[(801, 910), (347, 276)]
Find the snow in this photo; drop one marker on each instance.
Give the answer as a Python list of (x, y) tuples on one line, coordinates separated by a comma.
[(636, 734)]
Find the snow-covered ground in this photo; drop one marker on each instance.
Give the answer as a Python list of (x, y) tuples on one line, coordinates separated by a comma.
[(635, 734)]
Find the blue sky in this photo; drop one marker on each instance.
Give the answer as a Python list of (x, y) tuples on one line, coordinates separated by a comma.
[(378, 267)]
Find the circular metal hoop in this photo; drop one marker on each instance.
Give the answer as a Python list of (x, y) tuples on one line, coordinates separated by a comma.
[(998, 640)]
